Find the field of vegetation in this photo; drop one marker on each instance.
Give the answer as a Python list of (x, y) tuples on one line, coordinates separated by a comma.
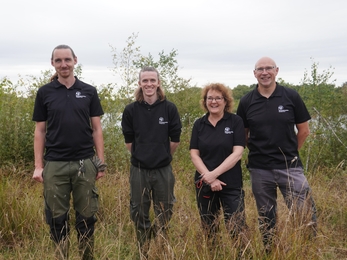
[(24, 234)]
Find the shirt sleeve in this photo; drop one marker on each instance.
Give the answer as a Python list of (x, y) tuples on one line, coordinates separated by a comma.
[(40, 112), (194, 136), (127, 126), (242, 113), (175, 126), (239, 132), (95, 105), (301, 113)]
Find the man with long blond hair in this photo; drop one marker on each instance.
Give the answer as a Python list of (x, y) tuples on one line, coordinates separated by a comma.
[(151, 126)]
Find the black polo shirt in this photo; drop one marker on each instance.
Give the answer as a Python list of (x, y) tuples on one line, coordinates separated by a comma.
[(272, 141), (67, 113), (215, 144)]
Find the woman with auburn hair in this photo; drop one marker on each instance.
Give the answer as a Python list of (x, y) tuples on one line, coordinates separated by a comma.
[(216, 147)]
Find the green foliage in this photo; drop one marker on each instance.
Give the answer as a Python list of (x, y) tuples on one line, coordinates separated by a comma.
[(188, 104), (319, 94), (326, 145), (125, 69), (128, 63), (167, 66), (240, 90), (16, 136), (289, 85)]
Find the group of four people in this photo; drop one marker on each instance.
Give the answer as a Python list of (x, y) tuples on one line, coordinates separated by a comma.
[(69, 153)]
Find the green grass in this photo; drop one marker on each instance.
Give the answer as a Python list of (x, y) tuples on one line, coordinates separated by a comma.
[(24, 234)]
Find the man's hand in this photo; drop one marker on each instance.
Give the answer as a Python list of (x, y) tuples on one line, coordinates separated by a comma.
[(99, 165), (37, 176), (100, 175)]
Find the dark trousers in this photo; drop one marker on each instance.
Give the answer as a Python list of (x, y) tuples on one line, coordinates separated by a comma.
[(147, 185), (295, 190), (210, 204)]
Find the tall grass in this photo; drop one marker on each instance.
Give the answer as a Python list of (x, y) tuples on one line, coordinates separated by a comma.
[(24, 234)]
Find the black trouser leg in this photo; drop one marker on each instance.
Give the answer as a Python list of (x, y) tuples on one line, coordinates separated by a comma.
[(85, 235), (59, 231)]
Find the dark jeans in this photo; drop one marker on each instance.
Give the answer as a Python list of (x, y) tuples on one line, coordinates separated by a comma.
[(295, 190), (210, 204)]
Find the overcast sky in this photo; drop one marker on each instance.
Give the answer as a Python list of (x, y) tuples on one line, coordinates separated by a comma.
[(217, 41)]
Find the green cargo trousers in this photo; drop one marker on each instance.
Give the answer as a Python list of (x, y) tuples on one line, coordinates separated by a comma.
[(61, 179), (147, 185)]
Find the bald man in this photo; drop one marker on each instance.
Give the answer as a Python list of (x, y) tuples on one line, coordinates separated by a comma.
[(276, 126)]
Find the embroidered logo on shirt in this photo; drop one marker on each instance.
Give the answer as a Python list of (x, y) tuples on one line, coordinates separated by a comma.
[(79, 95), (281, 109), (228, 131), (161, 121)]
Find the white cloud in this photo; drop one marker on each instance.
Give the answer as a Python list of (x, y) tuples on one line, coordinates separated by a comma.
[(216, 40)]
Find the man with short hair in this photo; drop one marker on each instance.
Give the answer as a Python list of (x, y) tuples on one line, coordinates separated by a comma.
[(151, 126), (270, 114), (67, 113)]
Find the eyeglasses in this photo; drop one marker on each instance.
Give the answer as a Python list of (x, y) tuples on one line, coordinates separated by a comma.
[(218, 99), (267, 69)]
